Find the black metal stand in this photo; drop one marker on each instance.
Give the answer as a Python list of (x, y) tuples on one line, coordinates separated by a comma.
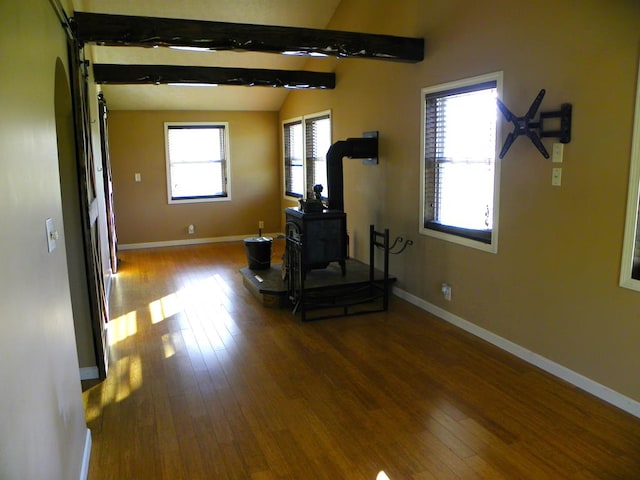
[(337, 300)]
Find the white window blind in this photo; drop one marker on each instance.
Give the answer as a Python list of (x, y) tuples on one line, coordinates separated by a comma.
[(459, 163), (306, 141), (294, 159), (197, 161), (317, 143)]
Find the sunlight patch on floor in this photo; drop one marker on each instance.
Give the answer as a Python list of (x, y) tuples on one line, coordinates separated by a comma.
[(129, 373), (165, 307), (222, 283), (123, 327), (92, 411), (202, 303), (382, 476), (212, 289), (125, 377), (135, 373), (168, 346)]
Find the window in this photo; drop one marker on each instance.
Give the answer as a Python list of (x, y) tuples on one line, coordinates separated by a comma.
[(317, 142), (197, 162), (459, 169), (306, 142), (293, 159), (630, 270)]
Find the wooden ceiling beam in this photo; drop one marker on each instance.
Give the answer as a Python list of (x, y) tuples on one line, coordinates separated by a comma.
[(124, 30), (112, 74)]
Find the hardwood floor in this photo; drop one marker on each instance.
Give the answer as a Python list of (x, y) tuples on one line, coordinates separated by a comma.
[(205, 383)]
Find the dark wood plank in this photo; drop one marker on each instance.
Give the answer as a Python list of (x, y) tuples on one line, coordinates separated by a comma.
[(115, 74), (126, 30)]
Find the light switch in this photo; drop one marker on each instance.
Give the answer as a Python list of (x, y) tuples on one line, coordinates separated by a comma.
[(556, 177), (557, 153), (137, 177), (52, 234)]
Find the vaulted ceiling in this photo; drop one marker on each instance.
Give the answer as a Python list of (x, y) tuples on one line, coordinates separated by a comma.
[(312, 14)]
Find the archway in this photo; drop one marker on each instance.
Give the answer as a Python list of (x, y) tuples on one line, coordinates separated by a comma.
[(89, 351)]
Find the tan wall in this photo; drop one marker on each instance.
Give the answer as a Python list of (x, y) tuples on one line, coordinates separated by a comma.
[(553, 285), (42, 426), (142, 212)]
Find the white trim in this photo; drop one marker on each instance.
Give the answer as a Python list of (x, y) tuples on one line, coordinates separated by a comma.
[(200, 200), (89, 373), (195, 241), (303, 120), (493, 246), (631, 222), (603, 392), (86, 456), (227, 162), (282, 146)]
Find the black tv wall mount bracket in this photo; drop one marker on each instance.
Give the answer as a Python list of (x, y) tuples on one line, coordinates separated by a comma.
[(536, 130)]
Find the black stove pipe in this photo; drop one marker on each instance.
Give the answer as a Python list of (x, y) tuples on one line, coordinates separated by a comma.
[(366, 147)]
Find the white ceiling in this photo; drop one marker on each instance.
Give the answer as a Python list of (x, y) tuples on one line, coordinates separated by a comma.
[(295, 13)]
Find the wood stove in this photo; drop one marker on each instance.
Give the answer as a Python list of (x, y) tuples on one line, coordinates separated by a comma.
[(323, 236), (321, 229)]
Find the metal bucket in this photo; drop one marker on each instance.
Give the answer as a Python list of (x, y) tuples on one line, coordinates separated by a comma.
[(258, 252)]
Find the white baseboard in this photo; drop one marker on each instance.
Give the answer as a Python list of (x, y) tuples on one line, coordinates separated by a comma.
[(619, 400), (190, 241), (86, 456), (89, 373)]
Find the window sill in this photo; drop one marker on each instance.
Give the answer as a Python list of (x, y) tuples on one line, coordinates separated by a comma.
[(462, 237), (178, 201)]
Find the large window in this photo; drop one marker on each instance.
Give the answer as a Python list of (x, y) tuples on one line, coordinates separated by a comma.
[(630, 271), (306, 142), (459, 169), (293, 159), (197, 162)]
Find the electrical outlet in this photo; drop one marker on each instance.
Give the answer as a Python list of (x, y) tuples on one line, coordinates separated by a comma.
[(260, 224), (446, 291), (191, 229)]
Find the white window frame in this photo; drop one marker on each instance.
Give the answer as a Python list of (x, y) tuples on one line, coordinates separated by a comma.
[(491, 247), (632, 222), (227, 164), (293, 121), (303, 119)]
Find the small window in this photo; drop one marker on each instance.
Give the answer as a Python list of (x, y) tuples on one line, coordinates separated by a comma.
[(306, 142), (317, 143), (197, 162), (293, 159), (459, 169)]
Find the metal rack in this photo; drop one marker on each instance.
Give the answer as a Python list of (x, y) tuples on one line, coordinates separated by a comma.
[(341, 297)]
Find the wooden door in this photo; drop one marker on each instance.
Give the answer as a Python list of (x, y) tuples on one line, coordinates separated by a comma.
[(89, 207), (103, 113)]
